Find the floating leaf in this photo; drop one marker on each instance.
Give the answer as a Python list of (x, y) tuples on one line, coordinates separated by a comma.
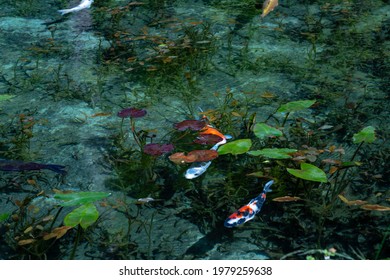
[(203, 155), (132, 113), (180, 158), (261, 130), (295, 106), (309, 172), (375, 207), (208, 139), (85, 215), (367, 135), (236, 147), (155, 149), (275, 153), (77, 198), (194, 156), (286, 198), (194, 125)]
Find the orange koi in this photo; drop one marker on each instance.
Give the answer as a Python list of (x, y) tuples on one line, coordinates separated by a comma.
[(211, 130), (269, 6)]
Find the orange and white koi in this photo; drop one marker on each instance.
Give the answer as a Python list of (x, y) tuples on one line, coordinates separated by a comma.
[(198, 168), (209, 130), (85, 4), (269, 6), (248, 212)]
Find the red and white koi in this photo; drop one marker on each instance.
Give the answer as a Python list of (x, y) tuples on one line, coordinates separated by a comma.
[(209, 130), (248, 212), (198, 168), (85, 4)]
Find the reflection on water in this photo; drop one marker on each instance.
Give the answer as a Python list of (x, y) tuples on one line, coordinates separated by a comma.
[(302, 92)]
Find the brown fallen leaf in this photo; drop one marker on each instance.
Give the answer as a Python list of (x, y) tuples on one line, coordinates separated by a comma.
[(351, 202), (26, 242), (375, 207), (57, 233), (286, 198)]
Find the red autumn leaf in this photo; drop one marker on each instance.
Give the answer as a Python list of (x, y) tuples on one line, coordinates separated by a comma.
[(132, 113), (208, 139), (194, 156), (155, 149), (204, 155), (180, 158), (194, 125)]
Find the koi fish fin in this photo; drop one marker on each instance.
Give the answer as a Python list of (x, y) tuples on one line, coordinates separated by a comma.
[(267, 186), (65, 11), (56, 168)]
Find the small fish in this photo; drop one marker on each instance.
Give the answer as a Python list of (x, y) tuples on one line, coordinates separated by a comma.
[(269, 6), (145, 200), (15, 165), (248, 212), (85, 4)]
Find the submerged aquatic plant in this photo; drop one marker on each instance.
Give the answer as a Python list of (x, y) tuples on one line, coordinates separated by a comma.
[(132, 113), (34, 231), (83, 216)]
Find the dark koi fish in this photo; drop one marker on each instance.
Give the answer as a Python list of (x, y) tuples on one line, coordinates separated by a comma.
[(15, 165), (248, 212)]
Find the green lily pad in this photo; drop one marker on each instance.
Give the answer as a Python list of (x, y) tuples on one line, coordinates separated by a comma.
[(261, 130), (309, 172), (77, 198), (367, 135), (236, 147), (275, 153), (295, 106), (4, 97), (85, 215)]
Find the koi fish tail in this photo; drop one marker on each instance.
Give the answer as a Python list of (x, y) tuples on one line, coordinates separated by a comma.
[(66, 11), (56, 168), (267, 186)]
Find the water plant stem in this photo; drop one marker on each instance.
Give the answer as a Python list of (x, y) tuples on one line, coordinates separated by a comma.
[(55, 218), (385, 236), (76, 242), (133, 131)]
